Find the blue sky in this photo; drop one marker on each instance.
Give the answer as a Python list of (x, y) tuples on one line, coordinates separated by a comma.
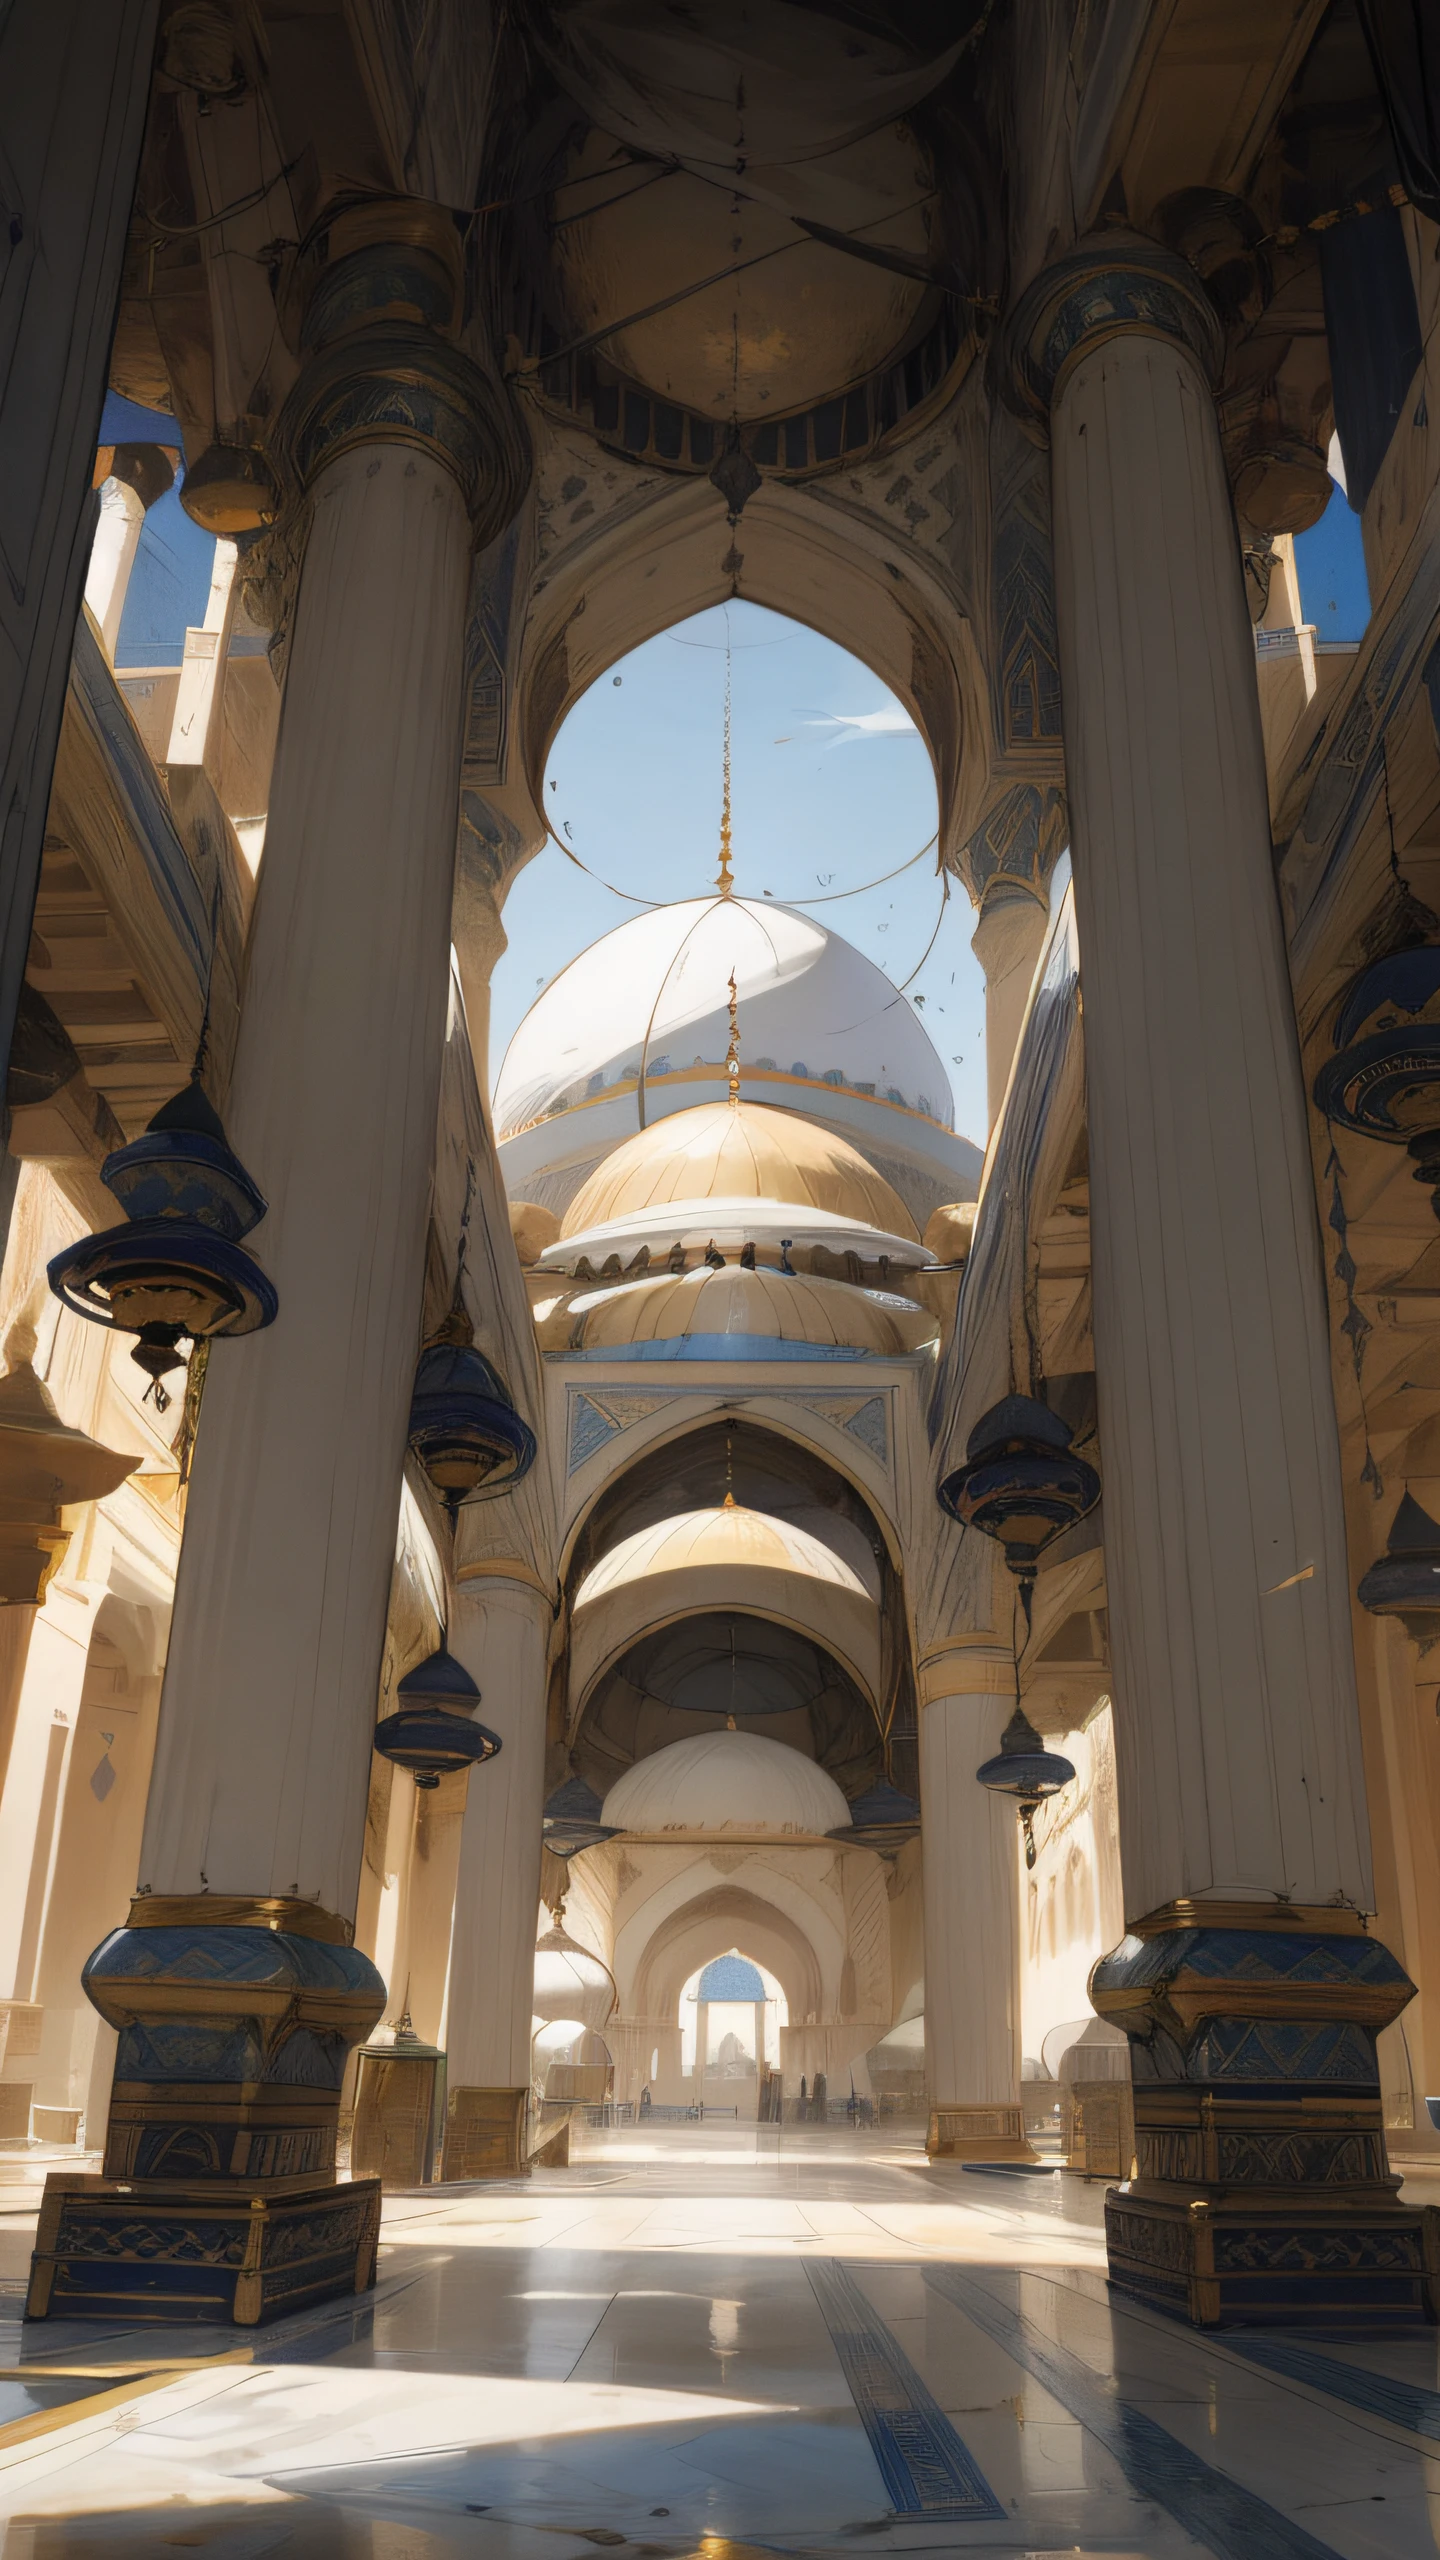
[(635, 777), (1330, 567)]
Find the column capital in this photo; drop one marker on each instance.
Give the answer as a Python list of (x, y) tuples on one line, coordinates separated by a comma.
[(381, 287), (1113, 284)]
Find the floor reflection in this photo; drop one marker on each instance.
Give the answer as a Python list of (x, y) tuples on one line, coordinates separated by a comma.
[(754, 2342)]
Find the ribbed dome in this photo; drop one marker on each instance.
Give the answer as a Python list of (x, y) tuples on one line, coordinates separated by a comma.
[(730, 1539), (727, 1782), (750, 1152), (750, 1307)]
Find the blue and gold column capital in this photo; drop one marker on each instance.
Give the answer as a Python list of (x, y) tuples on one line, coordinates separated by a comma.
[(218, 2199), (1114, 284), (380, 289), (1262, 2191)]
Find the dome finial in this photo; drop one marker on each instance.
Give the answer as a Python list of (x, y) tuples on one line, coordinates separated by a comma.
[(732, 1059), (724, 879)]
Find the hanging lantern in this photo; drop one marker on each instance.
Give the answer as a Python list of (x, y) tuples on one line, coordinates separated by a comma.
[(1384, 1080), (1021, 1483), (570, 1982), (1404, 1583), (1024, 1769), (464, 1429), (883, 1818), (571, 1820), (433, 1730), (174, 1271)]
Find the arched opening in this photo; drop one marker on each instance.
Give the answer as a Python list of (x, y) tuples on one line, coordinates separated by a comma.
[(696, 1672), (835, 827), (731, 2012), (794, 562)]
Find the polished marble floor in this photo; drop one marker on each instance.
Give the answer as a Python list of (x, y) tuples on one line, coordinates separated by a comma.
[(717, 2342)]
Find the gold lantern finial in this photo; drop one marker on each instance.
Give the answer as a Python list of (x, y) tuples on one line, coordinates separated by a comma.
[(732, 1060), (724, 878)]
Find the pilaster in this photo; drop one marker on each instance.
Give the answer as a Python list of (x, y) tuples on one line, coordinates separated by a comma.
[(971, 1883), (500, 1630)]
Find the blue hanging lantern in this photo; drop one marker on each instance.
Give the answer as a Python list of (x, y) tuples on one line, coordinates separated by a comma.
[(883, 1818), (1021, 1483), (464, 1429), (433, 1729), (1024, 1769), (1404, 1583), (1384, 1080), (174, 1271), (571, 1820)]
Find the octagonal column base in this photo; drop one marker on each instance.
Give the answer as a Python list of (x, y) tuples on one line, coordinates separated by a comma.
[(485, 2135), (980, 2133), (1262, 2196), (235, 2014), (1245, 2262), (156, 2252)]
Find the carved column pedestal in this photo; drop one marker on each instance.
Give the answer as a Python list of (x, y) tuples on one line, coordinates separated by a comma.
[(218, 2198), (1263, 2194)]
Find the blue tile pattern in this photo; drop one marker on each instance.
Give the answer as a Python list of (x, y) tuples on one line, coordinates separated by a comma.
[(1403, 2404), (1221, 2515), (926, 2468)]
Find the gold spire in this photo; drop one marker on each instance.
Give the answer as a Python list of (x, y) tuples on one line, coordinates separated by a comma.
[(732, 1061), (724, 880)]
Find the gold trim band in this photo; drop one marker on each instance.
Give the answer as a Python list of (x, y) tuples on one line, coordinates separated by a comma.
[(240, 1911), (1324, 1920)]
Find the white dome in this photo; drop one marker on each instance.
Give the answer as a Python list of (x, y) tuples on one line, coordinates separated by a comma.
[(814, 1012), (726, 1782)]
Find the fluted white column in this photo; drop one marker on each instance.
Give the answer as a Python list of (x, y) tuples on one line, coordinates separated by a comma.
[(971, 1883), (1244, 1841), (1237, 1726), (1007, 942), (500, 1631), (263, 1755)]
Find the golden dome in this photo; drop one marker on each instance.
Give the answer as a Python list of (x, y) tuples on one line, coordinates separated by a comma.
[(532, 1228), (734, 1302), (951, 1231), (750, 1150)]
